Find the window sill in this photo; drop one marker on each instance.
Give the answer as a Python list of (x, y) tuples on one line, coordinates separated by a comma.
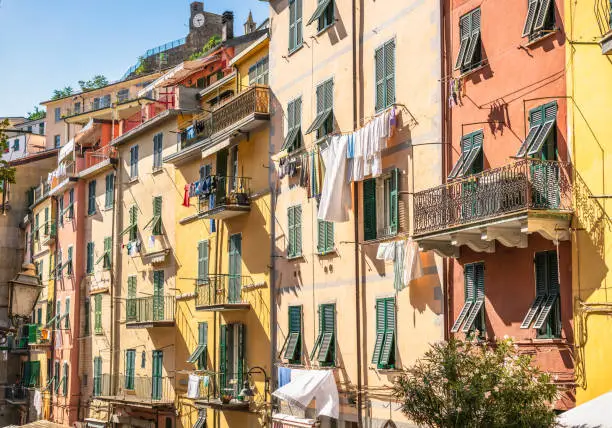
[(381, 239), (92, 214), (295, 49), (474, 70), (156, 171), (544, 341), (133, 180), (109, 208), (386, 371), (299, 256), (333, 252), (548, 34)]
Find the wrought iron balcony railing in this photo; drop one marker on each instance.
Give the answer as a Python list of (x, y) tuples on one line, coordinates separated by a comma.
[(41, 192), (525, 185), (225, 193), (98, 156), (156, 310), (16, 393), (222, 292), (255, 100), (221, 390), (135, 389)]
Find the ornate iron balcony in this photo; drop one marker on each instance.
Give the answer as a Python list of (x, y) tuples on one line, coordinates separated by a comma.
[(222, 293), (152, 311), (252, 102), (229, 197), (525, 185)]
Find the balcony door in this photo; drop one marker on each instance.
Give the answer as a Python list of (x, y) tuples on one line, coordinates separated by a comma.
[(221, 175), (235, 268), (156, 378)]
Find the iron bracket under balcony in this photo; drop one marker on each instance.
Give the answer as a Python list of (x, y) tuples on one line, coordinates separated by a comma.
[(506, 205), (222, 293)]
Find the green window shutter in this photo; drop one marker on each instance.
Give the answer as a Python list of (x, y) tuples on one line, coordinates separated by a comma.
[(108, 243), (97, 386), (235, 269), (133, 223), (472, 54), (34, 373), (298, 230), (474, 289), (87, 313), (46, 220), (379, 61), (67, 314), (156, 390), (393, 202), (32, 330), (65, 380), (203, 342), (69, 262), (387, 356), (91, 208), (530, 18), (131, 299), (202, 260), (380, 330), (158, 295), (109, 191), (321, 234), (327, 348), (89, 263), (291, 229), (295, 24), (98, 313), (223, 356), (390, 72), (241, 355), (26, 373), (130, 365), (157, 212), (369, 209), (293, 348)]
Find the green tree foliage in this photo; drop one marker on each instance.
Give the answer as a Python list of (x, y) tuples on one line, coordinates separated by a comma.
[(142, 66), (61, 93), (98, 81), (7, 173), (212, 43), (37, 114), (469, 384)]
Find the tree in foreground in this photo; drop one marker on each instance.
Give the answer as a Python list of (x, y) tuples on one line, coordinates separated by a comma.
[(470, 384), (7, 173)]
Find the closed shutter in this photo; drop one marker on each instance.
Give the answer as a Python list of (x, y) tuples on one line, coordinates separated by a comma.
[(223, 356), (235, 269), (98, 313), (393, 202), (156, 390), (242, 364), (32, 330), (379, 61), (97, 387), (384, 59), (291, 230), (108, 242), (92, 198), (26, 373), (108, 193), (202, 261), (464, 33), (90, 257), (321, 235), (34, 373), (131, 299), (369, 209), (203, 341), (65, 380), (158, 295), (298, 230), (87, 314), (130, 360), (67, 314)]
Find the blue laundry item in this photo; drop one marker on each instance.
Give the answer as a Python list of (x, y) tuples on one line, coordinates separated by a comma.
[(284, 376), (191, 133), (211, 205), (350, 148)]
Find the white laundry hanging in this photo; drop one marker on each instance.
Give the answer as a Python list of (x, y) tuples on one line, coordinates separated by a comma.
[(336, 193), (413, 268)]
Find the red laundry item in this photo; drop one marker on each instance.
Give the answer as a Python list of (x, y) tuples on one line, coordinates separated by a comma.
[(186, 197)]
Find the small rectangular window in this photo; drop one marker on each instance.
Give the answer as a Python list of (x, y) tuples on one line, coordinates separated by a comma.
[(325, 237), (91, 205), (294, 220), (123, 95), (258, 73), (470, 51), (472, 315), (325, 345), (134, 162), (384, 345), (323, 123), (384, 60), (58, 114), (57, 141), (157, 151), (295, 24), (293, 140), (109, 193)]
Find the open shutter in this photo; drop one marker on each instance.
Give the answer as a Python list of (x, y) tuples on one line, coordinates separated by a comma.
[(393, 201), (465, 24), (242, 364), (65, 380), (158, 295), (293, 349), (317, 343), (131, 298), (32, 329), (34, 373), (543, 13), (369, 209), (157, 212), (387, 356), (380, 330), (108, 242), (203, 342), (223, 356), (379, 61), (530, 18), (327, 349), (321, 235), (389, 73), (540, 280), (98, 313), (474, 46), (475, 292), (549, 113)]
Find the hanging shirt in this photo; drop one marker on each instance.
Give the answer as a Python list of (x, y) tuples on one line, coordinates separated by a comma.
[(335, 194), (413, 269), (186, 196), (193, 387)]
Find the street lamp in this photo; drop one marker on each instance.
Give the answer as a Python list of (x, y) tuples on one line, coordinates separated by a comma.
[(24, 291)]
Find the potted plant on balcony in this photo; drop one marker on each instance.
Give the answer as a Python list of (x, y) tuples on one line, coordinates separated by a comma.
[(227, 394)]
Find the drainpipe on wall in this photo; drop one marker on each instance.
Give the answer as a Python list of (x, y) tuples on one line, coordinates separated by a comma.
[(55, 285), (273, 308), (114, 264), (356, 224)]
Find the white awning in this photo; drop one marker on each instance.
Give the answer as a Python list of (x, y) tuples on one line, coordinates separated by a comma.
[(307, 385), (592, 414), (178, 73), (65, 151)]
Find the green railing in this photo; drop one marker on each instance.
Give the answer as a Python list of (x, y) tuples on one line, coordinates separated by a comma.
[(150, 309)]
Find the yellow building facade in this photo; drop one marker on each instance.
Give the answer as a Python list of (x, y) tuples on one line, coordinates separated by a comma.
[(589, 80), (223, 297)]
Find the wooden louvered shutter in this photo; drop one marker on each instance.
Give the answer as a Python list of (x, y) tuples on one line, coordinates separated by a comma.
[(156, 390), (98, 313), (369, 209), (292, 29), (540, 274), (32, 330), (530, 18), (389, 73), (108, 243), (320, 236), (203, 260), (380, 330), (298, 230), (158, 295), (35, 373), (291, 231), (242, 364), (329, 236), (472, 55), (329, 94), (465, 24), (291, 116), (379, 61), (387, 356), (157, 212), (469, 280), (393, 201), (223, 356)]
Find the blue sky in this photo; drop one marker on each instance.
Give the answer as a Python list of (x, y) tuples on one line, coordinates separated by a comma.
[(49, 44)]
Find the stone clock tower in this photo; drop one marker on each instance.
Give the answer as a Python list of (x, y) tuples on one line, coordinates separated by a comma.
[(202, 26)]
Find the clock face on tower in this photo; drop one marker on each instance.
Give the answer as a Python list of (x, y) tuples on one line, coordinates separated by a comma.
[(198, 20)]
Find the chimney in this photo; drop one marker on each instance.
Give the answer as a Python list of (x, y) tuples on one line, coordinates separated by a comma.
[(197, 6), (228, 26)]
